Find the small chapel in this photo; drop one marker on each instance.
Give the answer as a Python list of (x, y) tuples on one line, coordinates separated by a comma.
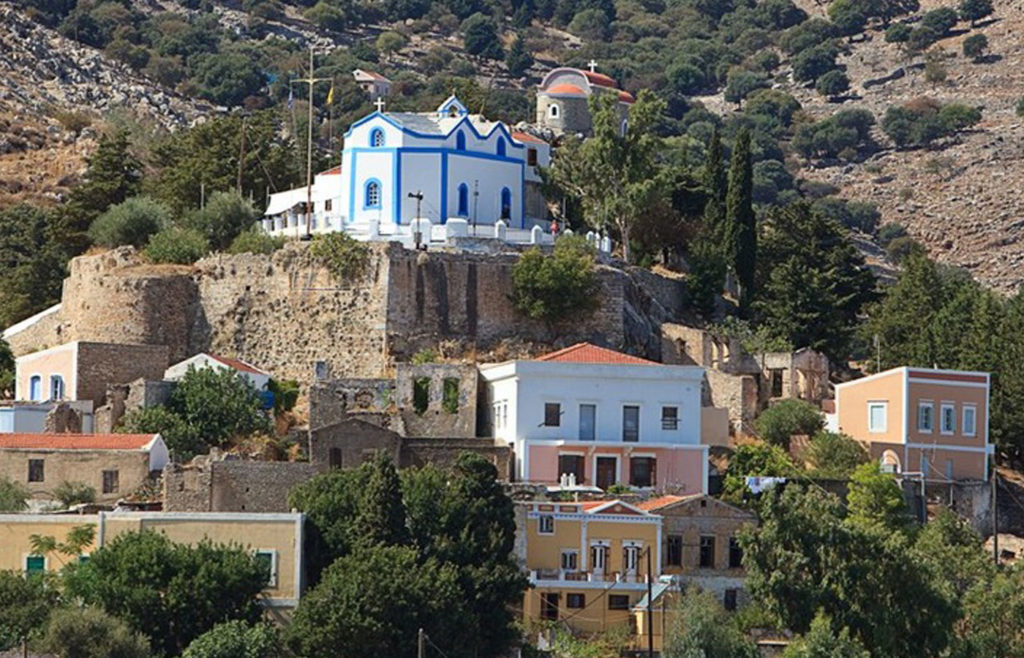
[(397, 167)]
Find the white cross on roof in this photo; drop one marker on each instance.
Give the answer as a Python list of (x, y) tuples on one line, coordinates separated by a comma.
[(380, 104), (593, 66)]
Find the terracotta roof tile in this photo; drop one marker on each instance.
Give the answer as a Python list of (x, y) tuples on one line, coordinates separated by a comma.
[(527, 137), (663, 501), (75, 441), (333, 171), (626, 97), (564, 88), (588, 353), (238, 364)]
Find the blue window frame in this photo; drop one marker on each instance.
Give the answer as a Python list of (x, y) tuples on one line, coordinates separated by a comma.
[(501, 146), (506, 203), (372, 194), (376, 137), (56, 387), (463, 200), (35, 388), (460, 141)]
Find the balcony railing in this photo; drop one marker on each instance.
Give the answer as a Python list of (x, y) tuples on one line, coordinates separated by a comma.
[(585, 576)]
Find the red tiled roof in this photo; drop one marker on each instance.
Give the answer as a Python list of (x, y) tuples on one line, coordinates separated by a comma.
[(564, 88), (626, 97), (662, 501), (600, 79), (591, 504), (75, 441), (333, 171), (588, 353), (238, 364), (374, 75), (527, 137)]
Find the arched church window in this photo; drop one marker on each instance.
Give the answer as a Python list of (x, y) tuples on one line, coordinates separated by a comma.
[(463, 200), (35, 388), (372, 194), (501, 146), (460, 141), (553, 111), (506, 203), (376, 137)]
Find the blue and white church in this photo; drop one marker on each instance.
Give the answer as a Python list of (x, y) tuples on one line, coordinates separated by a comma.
[(401, 168)]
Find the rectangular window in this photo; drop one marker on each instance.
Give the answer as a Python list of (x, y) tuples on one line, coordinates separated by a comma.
[(334, 458), (925, 417), (948, 419), (877, 416), (641, 471), (970, 420), (35, 470), (735, 553), (546, 524), (552, 414), (598, 557), (618, 602), (631, 423), (588, 422), (630, 558), (575, 601), (707, 552), (729, 600), (777, 382), (327, 205), (570, 560), (110, 482), (531, 157), (450, 395), (571, 465), (670, 418), (674, 551), (549, 606), (35, 564), (268, 560)]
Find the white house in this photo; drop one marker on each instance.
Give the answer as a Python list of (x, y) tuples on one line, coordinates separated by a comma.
[(397, 167), (601, 416), (374, 84), (255, 376), (286, 211)]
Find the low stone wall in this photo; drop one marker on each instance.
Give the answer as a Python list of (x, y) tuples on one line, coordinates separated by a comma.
[(233, 485)]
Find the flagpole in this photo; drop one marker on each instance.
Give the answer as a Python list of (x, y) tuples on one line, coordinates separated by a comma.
[(311, 81)]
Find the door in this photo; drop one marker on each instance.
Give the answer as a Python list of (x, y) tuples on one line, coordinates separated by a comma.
[(606, 472)]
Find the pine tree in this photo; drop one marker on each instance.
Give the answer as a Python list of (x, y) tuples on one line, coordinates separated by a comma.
[(381, 519), (714, 169), (518, 60), (1007, 404), (739, 213), (910, 305)]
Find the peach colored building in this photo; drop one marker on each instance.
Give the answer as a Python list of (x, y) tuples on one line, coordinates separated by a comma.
[(920, 420), (587, 561), (601, 418)]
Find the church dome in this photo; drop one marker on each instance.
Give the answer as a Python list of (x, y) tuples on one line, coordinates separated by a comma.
[(565, 88)]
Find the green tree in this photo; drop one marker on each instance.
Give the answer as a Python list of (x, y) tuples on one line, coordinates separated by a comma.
[(848, 16), (518, 59), (131, 222), (741, 83), (992, 619), (13, 496), (255, 241), (25, 604), (875, 499), (832, 455), (225, 216), (908, 305), (557, 286), (702, 627), (711, 249), (811, 64), (331, 502), (974, 10), (381, 517), (822, 642), (227, 78), (176, 433), (33, 257), (480, 37), (975, 46), (832, 84), (6, 370), (751, 459), (787, 418), (739, 215), (218, 405), (92, 633), (390, 42), (898, 33), (813, 283), (171, 592), (236, 639), (73, 493), (373, 602), (180, 246), (615, 176)]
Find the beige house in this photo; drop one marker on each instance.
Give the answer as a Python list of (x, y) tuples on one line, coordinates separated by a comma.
[(82, 370), (374, 84), (276, 538), (920, 420), (112, 464)]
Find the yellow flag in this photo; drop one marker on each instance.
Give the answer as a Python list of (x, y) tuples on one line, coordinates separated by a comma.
[(330, 95)]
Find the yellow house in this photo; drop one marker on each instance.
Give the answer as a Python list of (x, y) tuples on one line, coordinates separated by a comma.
[(587, 561), (276, 538)]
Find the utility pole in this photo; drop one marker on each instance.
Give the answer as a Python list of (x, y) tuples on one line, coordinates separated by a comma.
[(650, 606), (311, 81), (241, 158), (995, 515), (421, 647)]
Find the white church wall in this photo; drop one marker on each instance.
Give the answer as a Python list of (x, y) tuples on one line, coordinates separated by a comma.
[(372, 166), (421, 172), (493, 175)]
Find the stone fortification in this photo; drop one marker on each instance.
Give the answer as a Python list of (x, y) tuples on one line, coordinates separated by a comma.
[(285, 312)]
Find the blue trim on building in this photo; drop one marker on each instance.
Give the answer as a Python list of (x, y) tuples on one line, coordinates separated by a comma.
[(522, 195), (501, 146), (505, 192), (396, 178), (366, 194), (498, 127), (463, 210), (437, 149), (444, 186), (460, 141), (352, 187), (373, 136)]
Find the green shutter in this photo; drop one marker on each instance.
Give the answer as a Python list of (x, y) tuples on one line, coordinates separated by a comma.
[(35, 564)]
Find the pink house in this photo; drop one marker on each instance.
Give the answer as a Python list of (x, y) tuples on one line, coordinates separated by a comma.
[(601, 417)]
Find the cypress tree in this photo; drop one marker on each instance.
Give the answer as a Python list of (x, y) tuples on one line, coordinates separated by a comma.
[(739, 214), (381, 518), (711, 250)]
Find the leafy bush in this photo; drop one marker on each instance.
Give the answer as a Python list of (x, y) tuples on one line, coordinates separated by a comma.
[(920, 38), (974, 10), (236, 639), (1020, 107), (741, 83), (131, 222), (754, 459), (13, 496), (814, 62), (286, 394), (74, 493), (832, 455), (181, 441), (941, 20), (848, 16), (92, 633), (890, 232), (921, 123), (774, 103), (900, 248), (841, 135), (344, 256), (224, 217), (806, 35), (255, 241), (860, 215), (832, 83), (898, 33), (975, 46), (787, 418), (183, 246), (770, 179), (556, 286), (480, 37)]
